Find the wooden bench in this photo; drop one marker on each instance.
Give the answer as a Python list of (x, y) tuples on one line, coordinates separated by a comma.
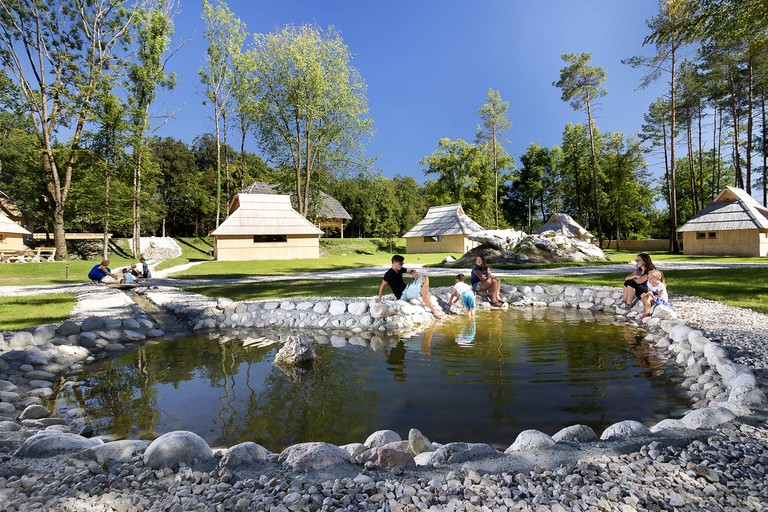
[(28, 255)]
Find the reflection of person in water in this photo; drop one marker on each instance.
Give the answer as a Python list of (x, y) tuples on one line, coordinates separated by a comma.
[(467, 336), (396, 360)]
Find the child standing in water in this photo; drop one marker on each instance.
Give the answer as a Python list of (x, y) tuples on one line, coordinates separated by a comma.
[(464, 291), (656, 294)]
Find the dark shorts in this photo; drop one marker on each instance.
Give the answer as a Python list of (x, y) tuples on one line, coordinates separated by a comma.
[(640, 288)]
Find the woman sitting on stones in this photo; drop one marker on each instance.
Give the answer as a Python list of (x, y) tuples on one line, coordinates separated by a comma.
[(636, 283), (483, 281)]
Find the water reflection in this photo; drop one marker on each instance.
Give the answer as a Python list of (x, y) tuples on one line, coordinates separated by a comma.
[(484, 380)]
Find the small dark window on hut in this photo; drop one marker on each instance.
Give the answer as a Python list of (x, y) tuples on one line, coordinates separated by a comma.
[(264, 239), (701, 236), (711, 235), (433, 238)]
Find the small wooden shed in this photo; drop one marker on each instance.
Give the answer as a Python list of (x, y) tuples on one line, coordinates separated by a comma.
[(329, 213), (11, 235), (734, 224), (443, 229), (265, 227), (16, 213)]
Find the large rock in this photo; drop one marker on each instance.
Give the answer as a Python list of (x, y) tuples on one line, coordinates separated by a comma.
[(418, 442), (116, 451), (50, 443), (306, 456), (387, 458), (296, 350), (172, 448), (68, 328), (244, 454), (381, 438), (708, 417), (21, 339), (627, 428), (34, 412), (462, 452), (575, 434), (531, 440)]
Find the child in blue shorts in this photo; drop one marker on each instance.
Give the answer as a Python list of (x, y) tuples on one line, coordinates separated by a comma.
[(464, 291)]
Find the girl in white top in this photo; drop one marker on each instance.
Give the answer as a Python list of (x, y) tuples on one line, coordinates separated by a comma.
[(657, 293)]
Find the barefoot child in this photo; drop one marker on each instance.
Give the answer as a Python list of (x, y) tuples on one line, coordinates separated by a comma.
[(464, 291), (656, 294)]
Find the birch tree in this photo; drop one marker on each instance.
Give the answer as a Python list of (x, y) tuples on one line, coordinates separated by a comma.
[(59, 54)]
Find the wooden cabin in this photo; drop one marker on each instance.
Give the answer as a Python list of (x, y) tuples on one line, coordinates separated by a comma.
[(443, 229), (16, 213), (327, 213), (734, 224), (265, 227), (11, 236)]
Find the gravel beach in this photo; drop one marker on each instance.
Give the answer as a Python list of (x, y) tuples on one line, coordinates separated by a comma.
[(721, 469)]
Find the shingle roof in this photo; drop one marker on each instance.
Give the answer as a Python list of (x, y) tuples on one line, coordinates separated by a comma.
[(732, 209), (264, 214), (9, 208), (8, 226), (444, 220), (329, 207)]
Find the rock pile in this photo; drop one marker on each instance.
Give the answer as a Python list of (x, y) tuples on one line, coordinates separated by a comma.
[(158, 248), (516, 246)]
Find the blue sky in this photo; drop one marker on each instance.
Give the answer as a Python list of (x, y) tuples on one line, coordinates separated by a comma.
[(429, 64)]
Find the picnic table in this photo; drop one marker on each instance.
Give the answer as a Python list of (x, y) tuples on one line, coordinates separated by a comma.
[(27, 255)]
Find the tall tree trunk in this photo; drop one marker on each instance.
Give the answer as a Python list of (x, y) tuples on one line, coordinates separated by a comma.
[(226, 156), (750, 102), (243, 130), (672, 178), (496, 177), (594, 173), (137, 201), (105, 247), (691, 164), (735, 115), (714, 150), (702, 195), (217, 115), (719, 150), (666, 165), (765, 151)]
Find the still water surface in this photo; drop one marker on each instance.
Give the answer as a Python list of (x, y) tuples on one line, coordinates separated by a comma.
[(482, 381)]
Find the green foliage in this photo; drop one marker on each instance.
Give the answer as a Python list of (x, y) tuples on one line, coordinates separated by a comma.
[(311, 111)]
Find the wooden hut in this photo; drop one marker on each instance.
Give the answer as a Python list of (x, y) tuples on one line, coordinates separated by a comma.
[(11, 236), (443, 229), (265, 227), (733, 224), (16, 213), (564, 223), (328, 213)]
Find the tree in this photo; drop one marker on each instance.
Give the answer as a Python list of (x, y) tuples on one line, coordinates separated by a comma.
[(226, 35), (495, 122), (536, 164), (455, 163), (59, 55), (581, 84), (154, 28), (311, 109), (575, 170)]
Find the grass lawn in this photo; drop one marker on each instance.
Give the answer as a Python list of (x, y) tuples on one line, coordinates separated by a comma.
[(34, 310), (192, 249), (629, 256), (336, 254), (23, 274)]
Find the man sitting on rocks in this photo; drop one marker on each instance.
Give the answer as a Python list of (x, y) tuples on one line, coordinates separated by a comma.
[(419, 286)]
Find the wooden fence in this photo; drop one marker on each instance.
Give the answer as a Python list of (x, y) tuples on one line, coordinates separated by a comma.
[(649, 244)]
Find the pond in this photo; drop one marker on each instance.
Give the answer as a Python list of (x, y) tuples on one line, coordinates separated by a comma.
[(482, 381)]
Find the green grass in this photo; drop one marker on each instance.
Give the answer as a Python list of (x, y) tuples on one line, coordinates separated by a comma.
[(628, 256), (33, 310), (192, 249), (336, 254), (55, 272)]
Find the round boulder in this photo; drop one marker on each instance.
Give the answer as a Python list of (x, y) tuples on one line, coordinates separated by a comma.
[(244, 454), (381, 438), (575, 434), (170, 449), (50, 443), (627, 428), (34, 412), (708, 417), (531, 440), (305, 456)]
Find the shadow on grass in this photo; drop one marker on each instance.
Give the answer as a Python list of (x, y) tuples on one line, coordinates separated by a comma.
[(196, 248), (31, 311)]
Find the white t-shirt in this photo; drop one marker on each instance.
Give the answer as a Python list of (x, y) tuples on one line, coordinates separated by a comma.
[(660, 290), (461, 287)]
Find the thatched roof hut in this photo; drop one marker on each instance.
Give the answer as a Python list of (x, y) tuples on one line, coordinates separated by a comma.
[(443, 229), (733, 224), (265, 226), (329, 213)]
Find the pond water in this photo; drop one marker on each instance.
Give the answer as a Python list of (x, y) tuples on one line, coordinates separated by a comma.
[(481, 381)]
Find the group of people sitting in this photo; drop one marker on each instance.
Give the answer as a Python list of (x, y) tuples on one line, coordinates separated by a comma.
[(645, 284), (102, 273), (482, 280)]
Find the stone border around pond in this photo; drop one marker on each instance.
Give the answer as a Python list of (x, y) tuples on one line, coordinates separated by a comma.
[(31, 361)]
